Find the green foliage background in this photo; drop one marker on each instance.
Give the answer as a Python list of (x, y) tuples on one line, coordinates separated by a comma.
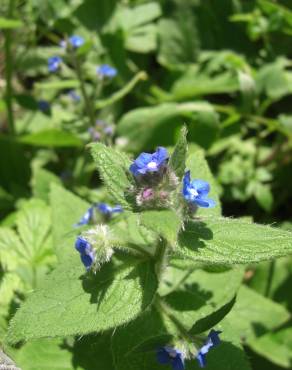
[(222, 68)]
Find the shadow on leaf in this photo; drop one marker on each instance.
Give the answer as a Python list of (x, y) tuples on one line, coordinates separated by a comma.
[(194, 235)]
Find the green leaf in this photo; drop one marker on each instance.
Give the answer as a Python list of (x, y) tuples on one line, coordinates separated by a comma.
[(162, 122), (41, 182), (57, 85), (230, 241), (275, 346), (264, 196), (52, 138), (93, 352), (134, 346), (252, 316), (177, 161), (178, 40), (33, 224), (67, 210), (6, 23), (166, 223), (199, 168), (113, 167), (44, 354), (73, 303), (199, 299)]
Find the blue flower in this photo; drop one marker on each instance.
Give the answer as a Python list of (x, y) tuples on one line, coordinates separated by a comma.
[(87, 217), (44, 105), (174, 357), (74, 96), (196, 192), (106, 71), (213, 341), (86, 251), (107, 210), (76, 41), (147, 162), (54, 63)]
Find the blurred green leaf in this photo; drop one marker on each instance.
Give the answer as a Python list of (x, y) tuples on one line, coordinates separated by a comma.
[(52, 138), (6, 23)]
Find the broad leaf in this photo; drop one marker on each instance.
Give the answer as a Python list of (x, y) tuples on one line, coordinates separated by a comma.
[(166, 223), (177, 161), (198, 298), (44, 354), (163, 121), (230, 241), (72, 303), (67, 210), (275, 346), (52, 138), (113, 168), (252, 316)]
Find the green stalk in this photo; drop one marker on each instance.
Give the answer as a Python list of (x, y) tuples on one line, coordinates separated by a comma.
[(88, 106), (9, 70), (161, 258)]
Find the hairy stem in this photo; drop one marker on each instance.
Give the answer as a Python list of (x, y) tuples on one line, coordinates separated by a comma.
[(9, 70), (161, 258)]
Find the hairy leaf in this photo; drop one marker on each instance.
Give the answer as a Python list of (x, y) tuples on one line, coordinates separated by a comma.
[(71, 302), (113, 168), (229, 241)]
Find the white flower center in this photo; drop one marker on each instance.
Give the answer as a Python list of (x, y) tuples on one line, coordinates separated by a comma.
[(152, 165), (193, 192)]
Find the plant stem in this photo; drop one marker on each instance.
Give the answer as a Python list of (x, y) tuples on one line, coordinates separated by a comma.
[(88, 106), (161, 258), (9, 70)]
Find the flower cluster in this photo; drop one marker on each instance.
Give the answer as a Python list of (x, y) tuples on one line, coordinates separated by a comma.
[(106, 210), (176, 358), (156, 181)]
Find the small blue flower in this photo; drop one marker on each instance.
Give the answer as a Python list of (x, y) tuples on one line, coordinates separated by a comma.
[(86, 251), (107, 210), (87, 217), (106, 71), (147, 162), (74, 96), (76, 41), (213, 341), (174, 357), (54, 63), (44, 105), (196, 192)]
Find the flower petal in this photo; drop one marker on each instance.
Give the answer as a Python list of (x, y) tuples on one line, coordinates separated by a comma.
[(201, 186), (178, 363), (205, 202), (160, 156), (87, 260), (201, 359), (162, 356)]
